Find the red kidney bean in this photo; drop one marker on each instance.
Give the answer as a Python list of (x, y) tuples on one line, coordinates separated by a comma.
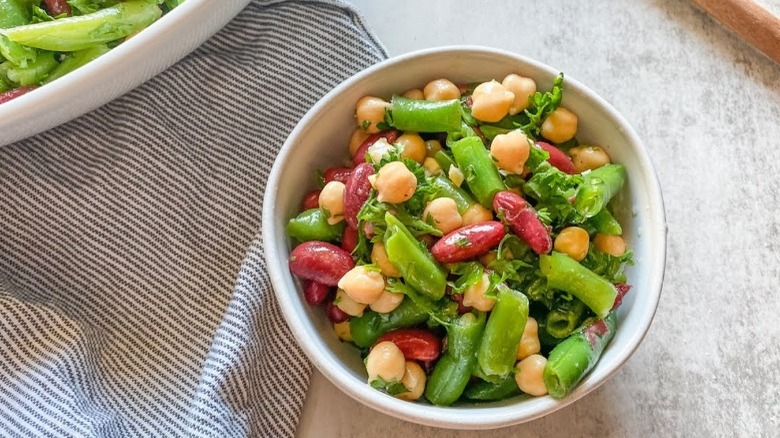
[(320, 261), (335, 315), (468, 242), (461, 308), (356, 192), (340, 174), (57, 7), (349, 239), (622, 290), (360, 154), (522, 220), (311, 200), (558, 158), (5, 96), (315, 293), (415, 344)]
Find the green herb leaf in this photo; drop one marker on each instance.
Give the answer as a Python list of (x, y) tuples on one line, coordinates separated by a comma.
[(608, 266), (542, 104), (392, 387)]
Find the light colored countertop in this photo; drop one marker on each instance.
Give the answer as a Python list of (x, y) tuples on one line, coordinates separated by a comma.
[(708, 109)]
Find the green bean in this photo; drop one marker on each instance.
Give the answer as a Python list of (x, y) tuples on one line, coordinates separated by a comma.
[(498, 350), (480, 171), (366, 329), (444, 160), (77, 59), (603, 222), (35, 72), (598, 187), (15, 13), (573, 358), (416, 265), (313, 224), (563, 319), (444, 188), (487, 391), (566, 274), (453, 370), (80, 32), (424, 115)]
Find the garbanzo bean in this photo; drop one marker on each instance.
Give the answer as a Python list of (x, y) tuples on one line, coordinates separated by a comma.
[(523, 88), (588, 157), (412, 146), (431, 166), (379, 258), (331, 201), (362, 284), (441, 89), (573, 241), (511, 151), (612, 245), (529, 376), (529, 343), (414, 93), (491, 101), (560, 125), (414, 381), (343, 331), (394, 183), (443, 213), (387, 302), (357, 139), (347, 304), (475, 214), (386, 361), (370, 111), (431, 147), (474, 296)]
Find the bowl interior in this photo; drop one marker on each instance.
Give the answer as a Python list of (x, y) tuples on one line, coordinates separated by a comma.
[(320, 141)]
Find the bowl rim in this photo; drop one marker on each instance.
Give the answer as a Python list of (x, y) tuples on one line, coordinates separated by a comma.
[(455, 417)]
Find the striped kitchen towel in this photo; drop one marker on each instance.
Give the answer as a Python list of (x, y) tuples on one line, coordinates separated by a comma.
[(134, 299)]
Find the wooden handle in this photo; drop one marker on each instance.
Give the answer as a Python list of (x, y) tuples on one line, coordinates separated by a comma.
[(749, 20)]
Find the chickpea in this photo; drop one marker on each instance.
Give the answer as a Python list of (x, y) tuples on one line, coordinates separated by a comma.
[(588, 157), (474, 296), (431, 147), (443, 212), (379, 258), (412, 146), (573, 241), (362, 284), (441, 89), (612, 245), (491, 101), (414, 93), (387, 302), (529, 343), (560, 125), (475, 214), (379, 149), (370, 111), (431, 166), (348, 305), (488, 258), (357, 139), (456, 176), (523, 88), (529, 375), (343, 331), (386, 361), (414, 381), (331, 201), (511, 151), (395, 183)]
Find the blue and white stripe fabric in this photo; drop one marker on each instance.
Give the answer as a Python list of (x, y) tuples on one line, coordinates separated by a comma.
[(134, 299)]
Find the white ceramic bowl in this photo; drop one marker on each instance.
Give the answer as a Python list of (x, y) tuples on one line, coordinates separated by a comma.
[(125, 67), (320, 140)]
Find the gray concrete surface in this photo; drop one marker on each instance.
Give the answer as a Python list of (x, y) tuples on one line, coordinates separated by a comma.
[(708, 108)]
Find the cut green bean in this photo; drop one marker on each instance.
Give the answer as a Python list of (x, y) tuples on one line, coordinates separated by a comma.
[(416, 265), (453, 371), (444, 188), (480, 171), (77, 59), (424, 115), (498, 350), (603, 222), (366, 329), (313, 224), (564, 318), (444, 160), (597, 188), (487, 391), (35, 72), (80, 32), (566, 274), (573, 358)]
